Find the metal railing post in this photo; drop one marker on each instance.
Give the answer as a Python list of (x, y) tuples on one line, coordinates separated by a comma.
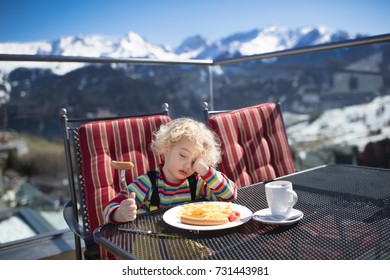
[(211, 89)]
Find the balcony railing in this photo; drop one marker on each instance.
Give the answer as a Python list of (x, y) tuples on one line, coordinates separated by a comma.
[(226, 84)]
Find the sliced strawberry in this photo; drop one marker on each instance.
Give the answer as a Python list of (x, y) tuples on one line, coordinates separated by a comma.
[(235, 216)]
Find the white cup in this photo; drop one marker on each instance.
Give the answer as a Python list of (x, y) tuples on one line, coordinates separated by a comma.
[(280, 198)]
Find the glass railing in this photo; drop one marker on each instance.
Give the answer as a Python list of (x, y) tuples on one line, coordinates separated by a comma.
[(335, 102), (334, 97)]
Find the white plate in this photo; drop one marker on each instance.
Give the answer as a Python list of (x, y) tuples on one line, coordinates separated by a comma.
[(266, 217), (171, 217)]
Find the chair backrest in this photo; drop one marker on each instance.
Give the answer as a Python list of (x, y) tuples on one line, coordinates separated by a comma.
[(254, 143), (98, 142)]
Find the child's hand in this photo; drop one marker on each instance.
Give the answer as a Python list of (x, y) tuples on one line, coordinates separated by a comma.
[(200, 166), (127, 210)]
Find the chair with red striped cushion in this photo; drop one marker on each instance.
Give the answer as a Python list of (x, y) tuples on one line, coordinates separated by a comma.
[(254, 143), (97, 144)]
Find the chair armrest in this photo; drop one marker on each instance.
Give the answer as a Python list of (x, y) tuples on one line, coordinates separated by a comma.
[(72, 222)]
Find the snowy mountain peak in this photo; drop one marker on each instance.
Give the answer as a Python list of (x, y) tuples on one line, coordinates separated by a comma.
[(133, 38), (268, 39), (132, 45), (192, 46), (80, 45)]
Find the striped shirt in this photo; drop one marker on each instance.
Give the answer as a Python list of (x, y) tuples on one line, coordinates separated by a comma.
[(213, 186)]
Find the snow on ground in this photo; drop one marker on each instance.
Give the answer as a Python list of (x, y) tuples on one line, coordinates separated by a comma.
[(349, 126)]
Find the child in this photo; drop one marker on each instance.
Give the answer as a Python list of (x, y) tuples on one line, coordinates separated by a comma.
[(187, 147)]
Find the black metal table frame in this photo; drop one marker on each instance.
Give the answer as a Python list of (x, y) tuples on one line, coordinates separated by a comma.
[(346, 216)]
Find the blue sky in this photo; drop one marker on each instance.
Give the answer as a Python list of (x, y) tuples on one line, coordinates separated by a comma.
[(171, 21)]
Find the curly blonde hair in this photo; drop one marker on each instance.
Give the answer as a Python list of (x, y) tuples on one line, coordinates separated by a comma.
[(205, 140)]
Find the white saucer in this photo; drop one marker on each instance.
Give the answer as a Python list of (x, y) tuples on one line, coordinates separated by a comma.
[(266, 217)]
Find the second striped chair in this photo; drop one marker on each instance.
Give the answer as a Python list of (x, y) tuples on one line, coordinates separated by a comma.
[(254, 143)]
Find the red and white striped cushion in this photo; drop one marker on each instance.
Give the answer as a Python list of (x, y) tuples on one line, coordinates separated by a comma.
[(126, 139), (254, 144)]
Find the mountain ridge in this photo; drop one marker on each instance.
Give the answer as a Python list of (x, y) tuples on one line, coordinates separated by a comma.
[(133, 45)]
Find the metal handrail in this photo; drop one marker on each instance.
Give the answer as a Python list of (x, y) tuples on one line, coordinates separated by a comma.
[(84, 59), (205, 62), (317, 48)]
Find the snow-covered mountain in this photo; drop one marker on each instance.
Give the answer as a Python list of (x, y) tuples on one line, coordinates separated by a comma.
[(271, 39), (132, 45), (192, 47)]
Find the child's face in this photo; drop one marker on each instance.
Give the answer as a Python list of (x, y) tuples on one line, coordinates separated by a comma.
[(179, 161)]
